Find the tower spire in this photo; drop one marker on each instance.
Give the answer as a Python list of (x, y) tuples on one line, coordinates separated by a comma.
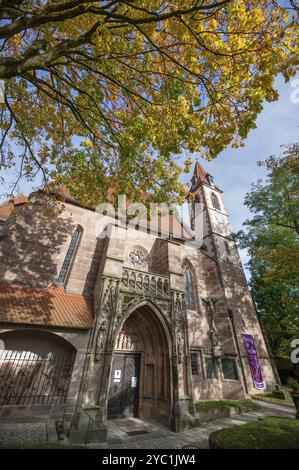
[(199, 175)]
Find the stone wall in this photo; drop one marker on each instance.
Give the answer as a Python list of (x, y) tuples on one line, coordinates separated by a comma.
[(53, 340), (30, 250), (33, 252)]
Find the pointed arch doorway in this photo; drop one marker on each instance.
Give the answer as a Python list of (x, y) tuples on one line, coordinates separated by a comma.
[(140, 381)]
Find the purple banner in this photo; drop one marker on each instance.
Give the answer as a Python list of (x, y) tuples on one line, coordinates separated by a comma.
[(254, 362)]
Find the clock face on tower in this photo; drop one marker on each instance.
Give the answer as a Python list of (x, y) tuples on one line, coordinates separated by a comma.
[(219, 218)]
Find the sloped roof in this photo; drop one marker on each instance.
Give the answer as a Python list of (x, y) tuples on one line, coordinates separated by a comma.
[(200, 173), (176, 227), (7, 207), (44, 307), (5, 211)]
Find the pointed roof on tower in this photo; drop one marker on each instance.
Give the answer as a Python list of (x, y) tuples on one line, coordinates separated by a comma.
[(199, 175)]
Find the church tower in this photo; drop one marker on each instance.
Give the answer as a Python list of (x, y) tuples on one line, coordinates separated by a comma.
[(217, 239), (219, 244), (217, 231)]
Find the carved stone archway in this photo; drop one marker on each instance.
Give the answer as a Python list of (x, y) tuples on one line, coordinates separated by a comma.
[(151, 296), (145, 335)]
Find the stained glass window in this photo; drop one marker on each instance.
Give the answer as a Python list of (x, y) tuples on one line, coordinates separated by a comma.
[(211, 368), (194, 365), (189, 289), (229, 369)]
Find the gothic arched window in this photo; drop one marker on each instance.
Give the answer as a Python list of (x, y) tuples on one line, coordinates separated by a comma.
[(70, 254), (215, 201), (189, 287)]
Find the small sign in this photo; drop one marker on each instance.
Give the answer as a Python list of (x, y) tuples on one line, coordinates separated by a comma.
[(134, 382), (117, 376)]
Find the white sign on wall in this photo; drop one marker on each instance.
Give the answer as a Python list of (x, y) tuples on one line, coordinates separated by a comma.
[(134, 382), (117, 375)]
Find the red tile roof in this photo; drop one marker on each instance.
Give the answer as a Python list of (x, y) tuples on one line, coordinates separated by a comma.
[(7, 207), (21, 199), (46, 307), (5, 211)]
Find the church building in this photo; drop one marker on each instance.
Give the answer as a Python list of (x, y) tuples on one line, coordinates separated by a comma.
[(144, 324)]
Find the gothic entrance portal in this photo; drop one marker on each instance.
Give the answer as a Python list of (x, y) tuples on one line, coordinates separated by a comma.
[(140, 374)]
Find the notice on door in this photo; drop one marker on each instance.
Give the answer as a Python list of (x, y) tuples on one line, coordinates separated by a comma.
[(117, 375), (134, 382)]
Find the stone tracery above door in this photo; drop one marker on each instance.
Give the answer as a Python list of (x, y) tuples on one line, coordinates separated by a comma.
[(149, 284), (137, 257)]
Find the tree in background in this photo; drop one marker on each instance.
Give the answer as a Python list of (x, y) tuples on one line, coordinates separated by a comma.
[(272, 240), (138, 82)]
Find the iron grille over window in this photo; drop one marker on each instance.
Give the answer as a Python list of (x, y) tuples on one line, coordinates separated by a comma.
[(27, 378), (194, 365), (70, 255), (189, 291)]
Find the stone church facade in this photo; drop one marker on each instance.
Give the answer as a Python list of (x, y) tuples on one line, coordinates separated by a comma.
[(95, 328)]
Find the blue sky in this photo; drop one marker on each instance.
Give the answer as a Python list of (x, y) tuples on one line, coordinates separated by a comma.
[(235, 170)]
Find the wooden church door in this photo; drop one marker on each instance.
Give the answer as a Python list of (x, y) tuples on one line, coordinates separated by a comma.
[(124, 386)]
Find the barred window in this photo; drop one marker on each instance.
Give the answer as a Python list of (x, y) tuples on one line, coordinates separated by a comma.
[(71, 252), (194, 364)]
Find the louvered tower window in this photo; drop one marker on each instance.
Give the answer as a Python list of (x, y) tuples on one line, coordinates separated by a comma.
[(215, 202)]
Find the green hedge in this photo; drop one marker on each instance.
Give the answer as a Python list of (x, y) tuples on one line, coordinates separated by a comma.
[(243, 405), (267, 433)]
